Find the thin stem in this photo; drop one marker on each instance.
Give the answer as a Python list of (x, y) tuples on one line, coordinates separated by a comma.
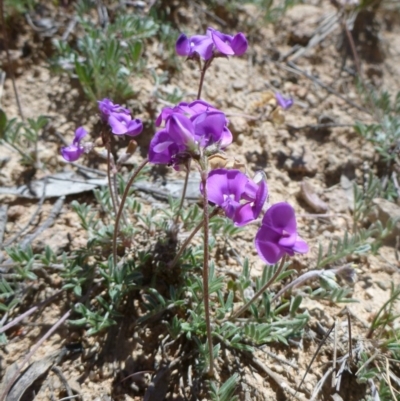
[(189, 239), (183, 191), (121, 207), (261, 290), (110, 186), (203, 73), (206, 220)]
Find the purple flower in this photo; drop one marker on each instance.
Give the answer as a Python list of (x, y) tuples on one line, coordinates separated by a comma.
[(277, 235), (106, 107), (188, 126), (119, 118), (122, 124), (285, 103), (213, 43), (240, 197), (73, 152), (174, 142)]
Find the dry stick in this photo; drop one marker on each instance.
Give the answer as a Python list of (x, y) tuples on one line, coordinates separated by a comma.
[(29, 312), (314, 356), (110, 187), (5, 39), (34, 349), (261, 290), (206, 273), (189, 239), (121, 207)]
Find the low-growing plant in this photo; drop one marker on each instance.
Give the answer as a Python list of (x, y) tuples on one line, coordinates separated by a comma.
[(163, 258)]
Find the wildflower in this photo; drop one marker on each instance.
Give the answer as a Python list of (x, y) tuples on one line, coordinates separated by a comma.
[(119, 118), (285, 103), (122, 124), (106, 107), (211, 44), (240, 197), (188, 127), (277, 235), (73, 152)]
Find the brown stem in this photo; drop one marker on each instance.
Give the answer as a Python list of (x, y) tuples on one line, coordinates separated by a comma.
[(203, 73), (206, 295), (260, 291), (121, 207)]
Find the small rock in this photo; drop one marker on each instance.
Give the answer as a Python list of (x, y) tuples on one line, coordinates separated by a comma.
[(238, 125)]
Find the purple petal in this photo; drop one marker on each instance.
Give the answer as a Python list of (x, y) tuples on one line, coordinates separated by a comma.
[(261, 197), (221, 45), (181, 129), (217, 186), (281, 216), (285, 103), (80, 133), (71, 153), (239, 44), (182, 46), (202, 45), (118, 123), (226, 138), (300, 246), (288, 241), (244, 214), (134, 127), (208, 127), (162, 148), (236, 183), (269, 252)]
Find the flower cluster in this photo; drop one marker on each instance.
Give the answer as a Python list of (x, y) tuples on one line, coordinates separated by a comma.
[(117, 117), (74, 151), (212, 44), (189, 128), (240, 197)]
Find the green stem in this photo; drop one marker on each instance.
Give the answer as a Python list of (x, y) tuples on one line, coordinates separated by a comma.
[(260, 291), (206, 295), (121, 207)]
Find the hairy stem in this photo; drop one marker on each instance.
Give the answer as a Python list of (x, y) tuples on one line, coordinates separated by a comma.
[(206, 220), (121, 207), (260, 291)]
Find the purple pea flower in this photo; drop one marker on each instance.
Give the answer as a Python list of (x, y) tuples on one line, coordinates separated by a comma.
[(173, 143), (277, 235), (122, 124), (73, 152), (240, 197), (188, 127), (285, 103), (106, 107), (119, 118), (213, 43)]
